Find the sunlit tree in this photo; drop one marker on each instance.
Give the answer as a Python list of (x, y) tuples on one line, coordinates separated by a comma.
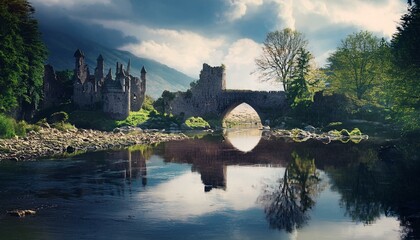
[(356, 66), (278, 61)]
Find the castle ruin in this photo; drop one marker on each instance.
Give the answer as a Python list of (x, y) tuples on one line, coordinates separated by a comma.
[(209, 98), (115, 97)]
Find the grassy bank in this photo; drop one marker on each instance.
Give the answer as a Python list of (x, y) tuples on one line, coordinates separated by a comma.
[(9, 127)]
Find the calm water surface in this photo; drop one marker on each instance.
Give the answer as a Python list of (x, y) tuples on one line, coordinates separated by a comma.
[(236, 186)]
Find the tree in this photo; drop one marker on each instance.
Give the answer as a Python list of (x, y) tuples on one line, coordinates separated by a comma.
[(22, 56), (279, 58), (355, 66), (406, 55), (298, 86)]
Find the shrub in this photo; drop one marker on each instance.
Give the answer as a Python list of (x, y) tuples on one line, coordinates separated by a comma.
[(58, 117), (197, 123), (20, 128), (135, 118), (148, 103), (355, 132), (7, 129), (62, 126)]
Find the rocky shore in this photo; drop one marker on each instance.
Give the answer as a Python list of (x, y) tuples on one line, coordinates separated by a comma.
[(310, 132), (50, 142)]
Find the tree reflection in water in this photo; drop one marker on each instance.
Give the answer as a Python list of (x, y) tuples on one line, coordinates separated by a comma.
[(286, 205)]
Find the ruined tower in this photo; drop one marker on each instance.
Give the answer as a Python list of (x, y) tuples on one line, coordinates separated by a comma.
[(138, 89), (116, 94), (81, 71), (99, 72), (213, 79)]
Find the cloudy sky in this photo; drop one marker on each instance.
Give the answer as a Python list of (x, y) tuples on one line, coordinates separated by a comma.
[(184, 34)]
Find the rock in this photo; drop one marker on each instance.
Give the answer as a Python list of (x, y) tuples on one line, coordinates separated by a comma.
[(310, 128), (70, 149), (21, 213)]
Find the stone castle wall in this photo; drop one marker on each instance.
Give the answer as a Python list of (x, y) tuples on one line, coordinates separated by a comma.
[(209, 98), (115, 97), (53, 88)]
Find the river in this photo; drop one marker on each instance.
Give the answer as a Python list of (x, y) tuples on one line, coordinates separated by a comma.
[(236, 185)]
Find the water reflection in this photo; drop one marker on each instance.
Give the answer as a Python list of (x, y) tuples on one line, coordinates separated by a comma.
[(243, 139), (192, 187), (287, 204)]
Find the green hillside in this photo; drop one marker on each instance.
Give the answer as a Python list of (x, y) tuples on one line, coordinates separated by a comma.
[(160, 77)]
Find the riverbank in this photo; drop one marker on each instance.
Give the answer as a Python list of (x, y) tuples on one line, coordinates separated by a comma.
[(51, 142)]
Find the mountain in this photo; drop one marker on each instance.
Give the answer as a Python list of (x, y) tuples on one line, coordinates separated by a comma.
[(61, 48)]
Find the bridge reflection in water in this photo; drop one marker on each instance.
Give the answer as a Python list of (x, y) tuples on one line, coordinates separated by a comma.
[(324, 187), (243, 139)]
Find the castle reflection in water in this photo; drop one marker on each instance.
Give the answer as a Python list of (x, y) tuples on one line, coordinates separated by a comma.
[(210, 155)]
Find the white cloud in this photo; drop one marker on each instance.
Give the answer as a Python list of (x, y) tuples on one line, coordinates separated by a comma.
[(285, 13), (184, 50), (190, 201), (239, 8), (239, 62), (367, 15), (187, 51), (313, 17)]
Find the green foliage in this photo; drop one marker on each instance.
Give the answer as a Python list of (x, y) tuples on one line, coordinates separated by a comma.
[(65, 77), (7, 129), (21, 128), (135, 118), (63, 126), (405, 88), (279, 58), (22, 55), (58, 117), (359, 64), (148, 103), (143, 118), (162, 103), (355, 132), (197, 123), (188, 94), (298, 87)]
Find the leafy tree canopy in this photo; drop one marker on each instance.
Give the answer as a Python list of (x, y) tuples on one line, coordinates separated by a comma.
[(279, 58), (356, 67), (22, 55)]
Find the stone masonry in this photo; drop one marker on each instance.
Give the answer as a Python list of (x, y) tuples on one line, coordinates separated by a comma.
[(209, 98), (115, 97)]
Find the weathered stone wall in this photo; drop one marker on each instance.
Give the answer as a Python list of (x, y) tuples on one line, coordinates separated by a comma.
[(138, 89), (53, 88), (116, 104), (209, 98), (114, 97)]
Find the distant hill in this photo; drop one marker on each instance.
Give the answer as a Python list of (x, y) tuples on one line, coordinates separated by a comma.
[(160, 77)]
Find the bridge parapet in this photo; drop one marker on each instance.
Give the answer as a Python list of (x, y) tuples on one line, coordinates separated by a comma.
[(208, 97)]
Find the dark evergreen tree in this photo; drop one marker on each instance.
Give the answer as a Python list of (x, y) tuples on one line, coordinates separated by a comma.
[(22, 55), (406, 54)]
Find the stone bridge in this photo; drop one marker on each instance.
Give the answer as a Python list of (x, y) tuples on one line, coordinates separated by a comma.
[(209, 98)]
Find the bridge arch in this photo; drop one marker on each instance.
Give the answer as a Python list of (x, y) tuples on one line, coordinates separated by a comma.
[(209, 97), (232, 107)]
